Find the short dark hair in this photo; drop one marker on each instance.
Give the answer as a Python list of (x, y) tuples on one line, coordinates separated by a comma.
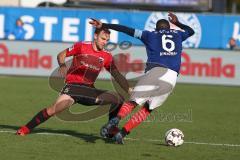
[(162, 24), (98, 30)]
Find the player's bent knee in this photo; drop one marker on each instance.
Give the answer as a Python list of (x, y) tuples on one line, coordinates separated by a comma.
[(63, 102), (157, 101), (50, 111)]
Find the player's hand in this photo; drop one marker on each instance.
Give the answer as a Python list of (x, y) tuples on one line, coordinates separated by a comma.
[(62, 70), (96, 23), (172, 18), (130, 90)]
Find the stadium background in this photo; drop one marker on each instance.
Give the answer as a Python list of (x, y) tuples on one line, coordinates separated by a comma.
[(205, 104)]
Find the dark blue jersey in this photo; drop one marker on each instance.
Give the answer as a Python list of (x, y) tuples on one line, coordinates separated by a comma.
[(164, 47)]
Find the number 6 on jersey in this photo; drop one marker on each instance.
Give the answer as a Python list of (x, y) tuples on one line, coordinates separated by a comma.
[(166, 39)]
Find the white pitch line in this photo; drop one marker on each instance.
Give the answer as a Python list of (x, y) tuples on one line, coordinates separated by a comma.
[(214, 144), (198, 143), (2, 131), (133, 139), (41, 133)]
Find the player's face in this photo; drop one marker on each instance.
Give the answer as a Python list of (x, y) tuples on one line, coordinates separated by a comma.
[(101, 39)]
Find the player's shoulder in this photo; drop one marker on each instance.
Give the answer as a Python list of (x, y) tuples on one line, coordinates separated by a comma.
[(148, 32), (80, 43), (85, 42), (84, 45), (176, 31)]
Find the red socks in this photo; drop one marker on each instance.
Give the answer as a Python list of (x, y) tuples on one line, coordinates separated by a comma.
[(39, 118), (137, 118), (126, 109)]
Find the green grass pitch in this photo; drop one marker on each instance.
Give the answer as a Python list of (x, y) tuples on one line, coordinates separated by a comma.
[(208, 116)]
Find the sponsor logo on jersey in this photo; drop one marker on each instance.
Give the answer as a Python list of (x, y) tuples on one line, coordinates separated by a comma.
[(100, 60), (185, 18), (90, 66)]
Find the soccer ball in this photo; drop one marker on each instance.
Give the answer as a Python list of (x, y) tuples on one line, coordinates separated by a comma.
[(174, 137)]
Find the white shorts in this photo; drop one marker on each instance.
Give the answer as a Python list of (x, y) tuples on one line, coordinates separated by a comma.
[(154, 87)]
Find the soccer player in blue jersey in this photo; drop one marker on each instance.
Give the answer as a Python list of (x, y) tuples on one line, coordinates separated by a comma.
[(164, 48)]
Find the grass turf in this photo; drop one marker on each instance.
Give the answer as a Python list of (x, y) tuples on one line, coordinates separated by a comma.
[(208, 114)]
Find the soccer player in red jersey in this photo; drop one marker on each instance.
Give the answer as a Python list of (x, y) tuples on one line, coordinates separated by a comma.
[(89, 58)]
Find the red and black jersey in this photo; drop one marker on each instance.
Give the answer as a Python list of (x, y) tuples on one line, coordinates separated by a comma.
[(87, 63)]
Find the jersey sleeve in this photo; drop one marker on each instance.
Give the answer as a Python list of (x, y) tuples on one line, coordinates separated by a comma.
[(109, 63), (184, 35), (74, 49), (142, 35)]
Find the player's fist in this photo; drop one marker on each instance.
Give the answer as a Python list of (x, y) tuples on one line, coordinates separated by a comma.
[(172, 18), (96, 23)]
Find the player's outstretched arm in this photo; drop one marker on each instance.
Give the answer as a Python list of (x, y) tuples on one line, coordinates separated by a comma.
[(173, 19), (117, 27), (120, 79)]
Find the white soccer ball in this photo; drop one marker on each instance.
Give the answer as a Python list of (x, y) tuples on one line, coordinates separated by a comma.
[(174, 137)]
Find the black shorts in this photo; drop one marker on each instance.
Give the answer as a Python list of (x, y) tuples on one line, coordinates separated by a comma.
[(87, 95)]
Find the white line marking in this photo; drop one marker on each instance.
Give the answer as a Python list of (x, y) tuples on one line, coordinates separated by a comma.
[(133, 139), (198, 143), (1, 131)]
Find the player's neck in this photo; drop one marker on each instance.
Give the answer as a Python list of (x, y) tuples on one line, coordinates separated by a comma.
[(94, 46)]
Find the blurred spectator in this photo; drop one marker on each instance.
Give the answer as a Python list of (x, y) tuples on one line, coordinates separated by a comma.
[(18, 32), (232, 43)]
